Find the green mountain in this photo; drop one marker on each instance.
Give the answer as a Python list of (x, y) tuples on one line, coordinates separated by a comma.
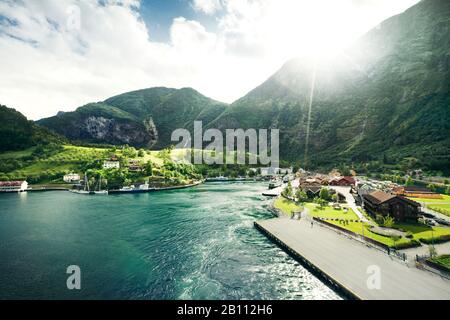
[(143, 118), (386, 98), (18, 133), (382, 102)]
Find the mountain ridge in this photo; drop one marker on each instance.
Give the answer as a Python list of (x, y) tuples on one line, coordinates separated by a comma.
[(386, 96)]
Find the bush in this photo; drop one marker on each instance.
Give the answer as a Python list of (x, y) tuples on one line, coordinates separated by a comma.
[(435, 240), (406, 245)]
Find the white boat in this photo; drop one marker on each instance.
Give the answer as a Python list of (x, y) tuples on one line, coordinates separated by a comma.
[(144, 186), (126, 189), (80, 191), (86, 190), (100, 192)]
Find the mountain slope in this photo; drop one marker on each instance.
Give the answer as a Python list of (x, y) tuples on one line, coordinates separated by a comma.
[(18, 133), (387, 94), (140, 118)]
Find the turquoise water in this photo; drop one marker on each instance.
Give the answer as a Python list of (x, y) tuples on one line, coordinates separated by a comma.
[(196, 243)]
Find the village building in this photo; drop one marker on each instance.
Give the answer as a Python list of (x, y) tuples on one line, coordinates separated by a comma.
[(72, 178), (273, 171), (342, 181), (398, 207), (416, 192), (111, 164), (134, 165), (13, 186)]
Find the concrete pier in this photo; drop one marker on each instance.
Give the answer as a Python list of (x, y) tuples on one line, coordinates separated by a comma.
[(350, 267)]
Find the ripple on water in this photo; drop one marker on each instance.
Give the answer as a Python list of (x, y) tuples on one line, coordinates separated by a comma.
[(196, 243)]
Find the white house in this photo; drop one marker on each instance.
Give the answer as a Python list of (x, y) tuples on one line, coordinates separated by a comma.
[(71, 177), (111, 164), (13, 186), (272, 171)]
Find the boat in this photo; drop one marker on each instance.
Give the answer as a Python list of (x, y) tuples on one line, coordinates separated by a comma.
[(274, 184), (85, 190), (100, 192), (126, 189)]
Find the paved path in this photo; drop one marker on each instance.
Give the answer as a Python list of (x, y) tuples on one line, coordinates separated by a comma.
[(347, 262), (345, 191), (441, 248), (435, 213)]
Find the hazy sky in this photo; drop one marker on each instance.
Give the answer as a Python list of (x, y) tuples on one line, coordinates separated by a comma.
[(60, 54)]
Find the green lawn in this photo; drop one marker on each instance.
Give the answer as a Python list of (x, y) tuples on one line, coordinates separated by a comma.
[(441, 208), (330, 213), (445, 199), (17, 154), (443, 260), (68, 159), (286, 206), (357, 227), (421, 231)]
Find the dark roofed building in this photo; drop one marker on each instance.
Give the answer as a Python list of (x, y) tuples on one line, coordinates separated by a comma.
[(342, 181), (312, 190), (400, 208)]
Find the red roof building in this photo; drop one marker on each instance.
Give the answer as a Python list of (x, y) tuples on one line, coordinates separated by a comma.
[(13, 186), (343, 181)]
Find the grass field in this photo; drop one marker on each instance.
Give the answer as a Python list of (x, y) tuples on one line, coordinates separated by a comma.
[(17, 154), (418, 231), (330, 213), (286, 206), (69, 159), (445, 199), (357, 227), (441, 208), (421, 231), (443, 260)]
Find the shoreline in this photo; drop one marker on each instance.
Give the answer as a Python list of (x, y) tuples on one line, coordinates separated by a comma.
[(66, 188)]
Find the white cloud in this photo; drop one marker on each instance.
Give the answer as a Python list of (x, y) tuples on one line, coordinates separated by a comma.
[(207, 6), (50, 61)]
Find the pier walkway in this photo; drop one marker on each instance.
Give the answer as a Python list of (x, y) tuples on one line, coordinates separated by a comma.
[(348, 264)]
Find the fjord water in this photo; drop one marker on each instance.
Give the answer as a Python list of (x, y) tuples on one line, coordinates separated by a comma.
[(196, 243)]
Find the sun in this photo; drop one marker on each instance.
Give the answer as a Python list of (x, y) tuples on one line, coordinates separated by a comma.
[(316, 28)]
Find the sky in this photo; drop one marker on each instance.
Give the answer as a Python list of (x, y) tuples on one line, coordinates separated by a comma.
[(57, 55)]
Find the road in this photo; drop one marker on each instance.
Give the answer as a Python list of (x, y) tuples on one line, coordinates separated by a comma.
[(350, 262), (345, 191)]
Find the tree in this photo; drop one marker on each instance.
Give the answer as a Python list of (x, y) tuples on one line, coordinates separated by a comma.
[(447, 191), (324, 194), (321, 202), (141, 153), (445, 181), (409, 182), (432, 187), (288, 192), (301, 195), (149, 168)]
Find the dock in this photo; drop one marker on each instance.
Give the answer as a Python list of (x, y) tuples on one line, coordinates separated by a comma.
[(347, 265)]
